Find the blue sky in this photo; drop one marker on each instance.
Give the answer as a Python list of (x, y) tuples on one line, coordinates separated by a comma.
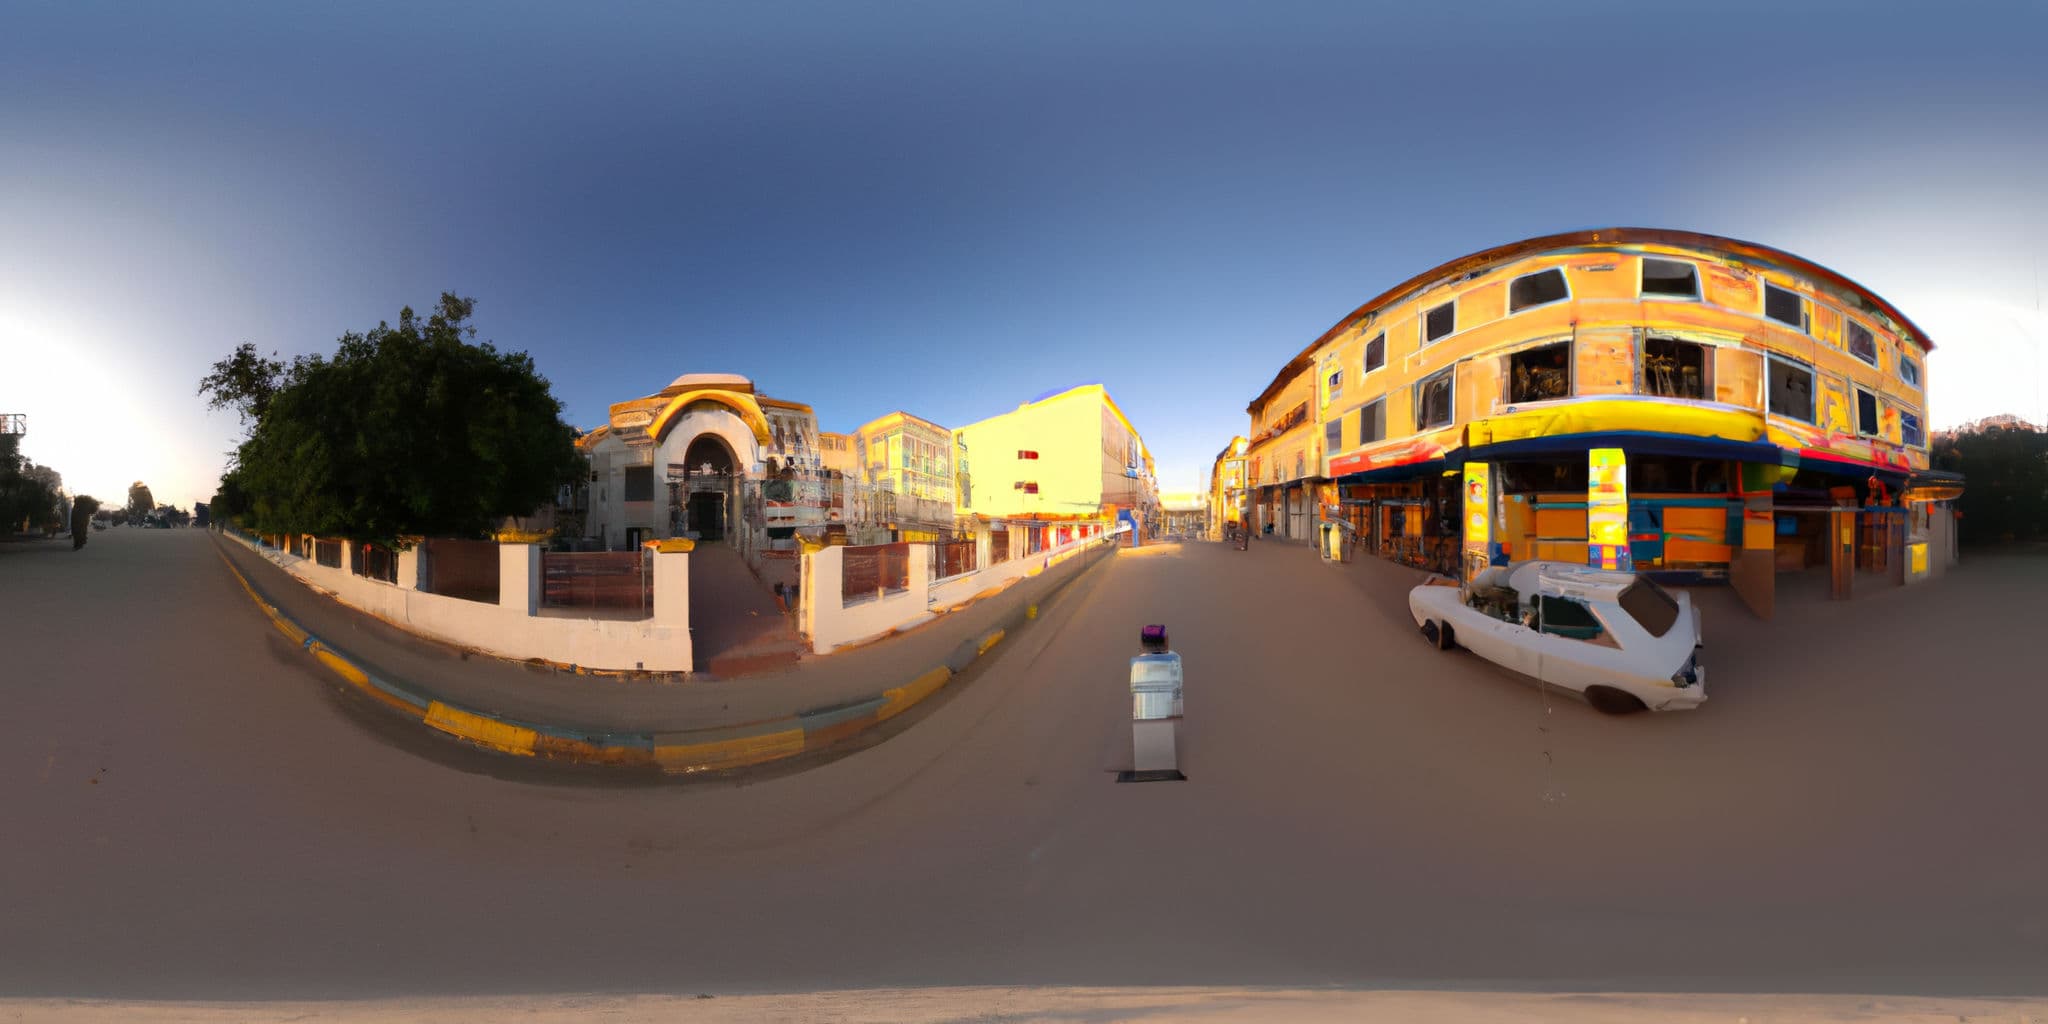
[(950, 208)]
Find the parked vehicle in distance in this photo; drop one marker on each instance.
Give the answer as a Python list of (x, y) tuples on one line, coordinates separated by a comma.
[(1617, 638)]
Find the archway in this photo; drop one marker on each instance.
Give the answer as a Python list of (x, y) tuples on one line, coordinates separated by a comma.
[(703, 499)]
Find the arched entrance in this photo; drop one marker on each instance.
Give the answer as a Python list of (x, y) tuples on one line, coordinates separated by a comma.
[(704, 499)]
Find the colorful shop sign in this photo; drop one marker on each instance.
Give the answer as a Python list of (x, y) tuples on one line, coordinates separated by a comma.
[(1478, 502), (1607, 509)]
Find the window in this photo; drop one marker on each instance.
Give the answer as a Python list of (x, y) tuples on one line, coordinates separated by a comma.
[(1336, 382), (1784, 306), (1909, 371), (1791, 389), (1372, 422), (1674, 368), (1541, 373), (1433, 400), (1440, 322), (1650, 606), (1333, 435), (1866, 413), (1376, 352), (1538, 289), (1670, 279), (1861, 344), (1566, 617), (639, 483), (1909, 430)]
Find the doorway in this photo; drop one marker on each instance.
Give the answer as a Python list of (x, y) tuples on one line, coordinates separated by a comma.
[(707, 515)]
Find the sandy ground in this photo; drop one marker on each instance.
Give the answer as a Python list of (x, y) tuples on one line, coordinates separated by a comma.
[(1076, 1006), (192, 815)]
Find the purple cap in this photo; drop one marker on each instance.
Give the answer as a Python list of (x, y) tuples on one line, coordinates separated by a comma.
[(1153, 634)]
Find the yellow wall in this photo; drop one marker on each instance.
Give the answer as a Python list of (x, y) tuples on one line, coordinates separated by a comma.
[(928, 445), (1603, 317), (1067, 431)]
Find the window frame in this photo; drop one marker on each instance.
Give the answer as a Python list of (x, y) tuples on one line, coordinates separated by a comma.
[(1518, 278), (1452, 305), (1333, 383), (1571, 376), (1642, 274), (1857, 393), (1379, 403), (1812, 388), (1365, 357), (1643, 372), (1451, 373), (1804, 326), (1849, 323), (1914, 381), (1918, 425)]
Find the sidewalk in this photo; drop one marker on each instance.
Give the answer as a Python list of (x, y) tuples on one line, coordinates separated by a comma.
[(606, 704)]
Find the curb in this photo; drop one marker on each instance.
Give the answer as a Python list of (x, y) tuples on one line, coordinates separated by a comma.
[(675, 753)]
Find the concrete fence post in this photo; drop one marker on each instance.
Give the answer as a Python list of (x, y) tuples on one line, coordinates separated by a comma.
[(672, 589), (921, 574), (519, 579), (409, 565)]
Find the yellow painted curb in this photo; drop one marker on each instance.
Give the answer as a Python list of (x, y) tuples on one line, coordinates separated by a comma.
[(900, 699), (340, 667), (733, 753), (992, 640), (496, 735)]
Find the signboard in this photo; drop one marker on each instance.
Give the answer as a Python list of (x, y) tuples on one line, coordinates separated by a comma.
[(1478, 517), (1607, 509)]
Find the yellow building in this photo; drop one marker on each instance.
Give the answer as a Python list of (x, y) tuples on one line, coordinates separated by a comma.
[(1284, 460), (911, 459), (836, 451), (1228, 499), (1664, 400), (1067, 457)]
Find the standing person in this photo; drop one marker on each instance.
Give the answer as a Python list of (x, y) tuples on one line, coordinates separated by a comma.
[(81, 521)]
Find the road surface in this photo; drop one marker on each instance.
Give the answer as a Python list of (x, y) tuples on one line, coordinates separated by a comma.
[(193, 811)]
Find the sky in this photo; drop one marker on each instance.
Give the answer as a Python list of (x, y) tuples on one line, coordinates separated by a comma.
[(950, 208)]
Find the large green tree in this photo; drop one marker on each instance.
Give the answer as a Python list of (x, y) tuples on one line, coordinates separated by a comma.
[(140, 501), (28, 493), (2005, 481), (413, 429)]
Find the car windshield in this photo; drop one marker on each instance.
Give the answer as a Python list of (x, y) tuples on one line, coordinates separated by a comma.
[(1650, 606)]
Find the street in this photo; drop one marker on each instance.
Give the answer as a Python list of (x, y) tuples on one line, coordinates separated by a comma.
[(194, 812)]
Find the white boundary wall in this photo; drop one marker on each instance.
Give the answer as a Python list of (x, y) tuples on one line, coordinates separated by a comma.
[(831, 624), (512, 628)]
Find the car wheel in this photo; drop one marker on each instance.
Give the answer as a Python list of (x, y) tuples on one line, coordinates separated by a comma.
[(1429, 632), (1609, 701), (1446, 637)]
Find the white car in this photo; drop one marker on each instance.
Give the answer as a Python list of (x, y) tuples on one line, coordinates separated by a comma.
[(1619, 639)]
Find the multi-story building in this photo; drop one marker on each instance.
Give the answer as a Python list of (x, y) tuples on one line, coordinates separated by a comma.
[(906, 464), (1662, 400), (1229, 502), (1283, 460), (709, 457), (1056, 468)]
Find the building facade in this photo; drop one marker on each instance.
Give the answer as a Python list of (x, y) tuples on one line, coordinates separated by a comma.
[(1229, 502), (706, 457), (1064, 461), (1662, 400), (906, 463), (1283, 461)]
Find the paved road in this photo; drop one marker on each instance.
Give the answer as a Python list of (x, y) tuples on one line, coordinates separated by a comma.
[(191, 812)]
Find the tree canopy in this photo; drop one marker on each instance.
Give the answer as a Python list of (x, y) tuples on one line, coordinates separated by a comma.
[(2005, 489), (140, 501), (407, 430), (29, 494)]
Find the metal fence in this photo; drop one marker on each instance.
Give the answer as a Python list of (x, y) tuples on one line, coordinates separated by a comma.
[(467, 569), (874, 569), (377, 562), (952, 558), (327, 553), (615, 580)]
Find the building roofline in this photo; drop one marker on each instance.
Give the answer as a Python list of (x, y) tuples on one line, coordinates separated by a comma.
[(1748, 251)]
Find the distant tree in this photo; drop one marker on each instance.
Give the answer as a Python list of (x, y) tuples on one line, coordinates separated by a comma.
[(30, 495), (2004, 463), (407, 430), (140, 501)]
